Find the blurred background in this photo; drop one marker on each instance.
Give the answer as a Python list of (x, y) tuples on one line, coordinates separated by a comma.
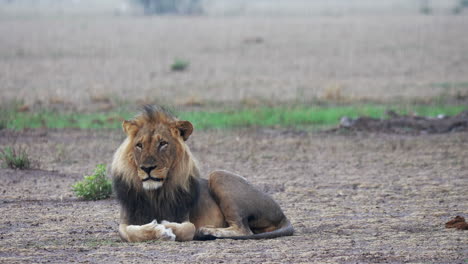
[(234, 7), (100, 55)]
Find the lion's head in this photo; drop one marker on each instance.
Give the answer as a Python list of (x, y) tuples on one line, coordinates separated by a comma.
[(154, 154)]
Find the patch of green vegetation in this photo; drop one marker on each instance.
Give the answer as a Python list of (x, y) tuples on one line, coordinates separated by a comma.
[(7, 111), (52, 119), (298, 116), (449, 85), (304, 116), (4, 117), (3, 121), (15, 158), (94, 187), (179, 65)]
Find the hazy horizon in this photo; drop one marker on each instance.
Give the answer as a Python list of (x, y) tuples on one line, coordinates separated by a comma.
[(231, 7)]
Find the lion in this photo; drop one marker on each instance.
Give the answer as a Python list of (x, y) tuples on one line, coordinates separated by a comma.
[(162, 196)]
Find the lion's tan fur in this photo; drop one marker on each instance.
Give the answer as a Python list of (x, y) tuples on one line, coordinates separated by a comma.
[(225, 205), (184, 165)]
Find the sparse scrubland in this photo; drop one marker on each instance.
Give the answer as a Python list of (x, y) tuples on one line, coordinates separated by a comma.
[(260, 91)]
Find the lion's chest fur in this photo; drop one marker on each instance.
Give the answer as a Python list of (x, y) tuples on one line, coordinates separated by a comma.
[(142, 207)]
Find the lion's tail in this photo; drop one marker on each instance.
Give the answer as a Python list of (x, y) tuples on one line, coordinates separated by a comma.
[(285, 230)]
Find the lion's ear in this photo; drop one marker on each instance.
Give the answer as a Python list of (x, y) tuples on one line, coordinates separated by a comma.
[(185, 129), (129, 127)]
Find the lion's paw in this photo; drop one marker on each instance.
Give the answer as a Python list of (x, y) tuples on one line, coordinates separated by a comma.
[(208, 231), (165, 234)]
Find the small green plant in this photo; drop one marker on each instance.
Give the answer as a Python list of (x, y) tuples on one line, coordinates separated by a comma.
[(15, 158), (179, 65), (94, 187)]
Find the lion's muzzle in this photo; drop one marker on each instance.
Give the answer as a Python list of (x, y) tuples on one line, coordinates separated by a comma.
[(153, 179), (148, 169)]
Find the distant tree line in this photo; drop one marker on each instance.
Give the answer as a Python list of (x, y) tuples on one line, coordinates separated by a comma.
[(425, 7), (462, 4), (186, 7)]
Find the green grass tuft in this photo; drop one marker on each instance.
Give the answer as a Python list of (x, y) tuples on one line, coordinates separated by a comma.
[(94, 187), (15, 158), (179, 65)]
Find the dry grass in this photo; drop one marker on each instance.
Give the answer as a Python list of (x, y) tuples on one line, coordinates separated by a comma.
[(377, 58), (15, 158)]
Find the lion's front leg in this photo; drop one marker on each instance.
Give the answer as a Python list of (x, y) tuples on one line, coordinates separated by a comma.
[(151, 231), (183, 232)]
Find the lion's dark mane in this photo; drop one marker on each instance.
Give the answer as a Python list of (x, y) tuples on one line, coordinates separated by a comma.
[(142, 207)]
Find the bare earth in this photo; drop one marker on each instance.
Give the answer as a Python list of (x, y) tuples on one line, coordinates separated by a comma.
[(73, 61), (362, 198), (353, 198)]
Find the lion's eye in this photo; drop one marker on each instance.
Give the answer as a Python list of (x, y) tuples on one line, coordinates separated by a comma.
[(162, 145), (139, 146)]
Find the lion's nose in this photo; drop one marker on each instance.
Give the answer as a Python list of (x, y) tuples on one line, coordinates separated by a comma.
[(147, 169)]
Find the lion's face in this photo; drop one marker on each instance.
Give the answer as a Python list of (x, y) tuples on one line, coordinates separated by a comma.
[(156, 148)]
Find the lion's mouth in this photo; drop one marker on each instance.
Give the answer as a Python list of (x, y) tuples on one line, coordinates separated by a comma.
[(153, 179)]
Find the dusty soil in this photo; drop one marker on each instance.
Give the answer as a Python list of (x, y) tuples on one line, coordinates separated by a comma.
[(73, 61), (361, 198), (352, 197)]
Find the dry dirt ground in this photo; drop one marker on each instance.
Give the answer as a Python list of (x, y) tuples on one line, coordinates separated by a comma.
[(357, 198), (77, 60)]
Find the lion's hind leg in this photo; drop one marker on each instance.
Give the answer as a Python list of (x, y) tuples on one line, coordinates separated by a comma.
[(231, 231), (247, 211), (140, 233)]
